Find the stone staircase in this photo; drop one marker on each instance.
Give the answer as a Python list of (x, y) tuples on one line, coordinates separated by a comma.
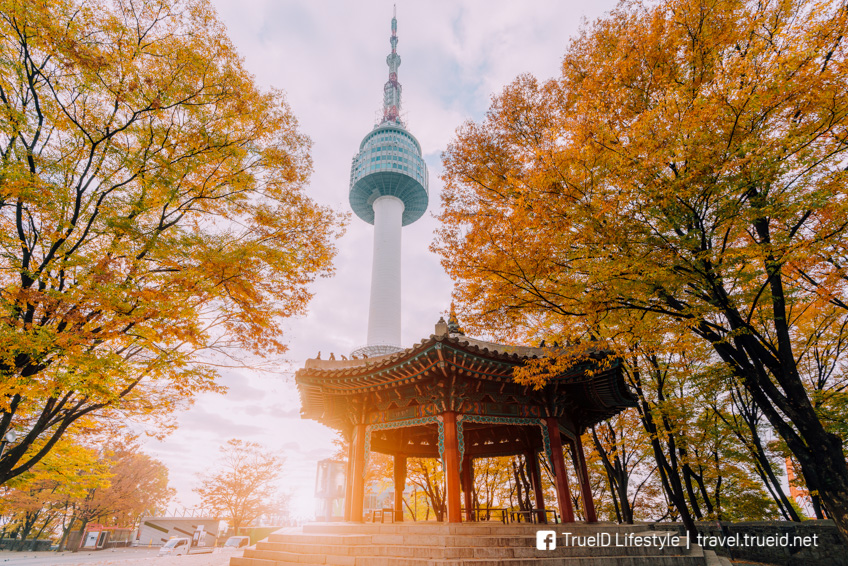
[(462, 544)]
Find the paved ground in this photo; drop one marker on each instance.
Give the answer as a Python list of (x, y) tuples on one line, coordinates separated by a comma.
[(117, 557)]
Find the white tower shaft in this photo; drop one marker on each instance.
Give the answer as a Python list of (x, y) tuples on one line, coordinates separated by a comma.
[(384, 313)]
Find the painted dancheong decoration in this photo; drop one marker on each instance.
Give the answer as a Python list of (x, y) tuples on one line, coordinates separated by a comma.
[(388, 188)]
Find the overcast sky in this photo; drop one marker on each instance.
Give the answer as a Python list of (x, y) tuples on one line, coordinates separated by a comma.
[(329, 57)]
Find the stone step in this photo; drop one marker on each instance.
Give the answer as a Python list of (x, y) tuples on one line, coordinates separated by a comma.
[(465, 528), (439, 537), (278, 542), (474, 544), (714, 560), (525, 548), (351, 540), (399, 540), (554, 561)]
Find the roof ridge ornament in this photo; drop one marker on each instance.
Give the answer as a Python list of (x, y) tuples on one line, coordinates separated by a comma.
[(441, 328)]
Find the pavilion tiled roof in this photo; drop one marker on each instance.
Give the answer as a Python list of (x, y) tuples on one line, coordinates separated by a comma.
[(324, 384)]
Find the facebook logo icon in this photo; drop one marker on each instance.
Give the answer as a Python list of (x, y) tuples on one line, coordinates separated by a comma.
[(545, 540)]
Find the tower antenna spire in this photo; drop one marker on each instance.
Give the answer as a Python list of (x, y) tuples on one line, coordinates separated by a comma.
[(392, 89)]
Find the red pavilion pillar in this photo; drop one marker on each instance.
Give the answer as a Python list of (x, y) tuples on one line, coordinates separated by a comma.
[(468, 486), (400, 485), (349, 477), (585, 487), (357, 499), (566, 511), (451, 456), (532, 460)]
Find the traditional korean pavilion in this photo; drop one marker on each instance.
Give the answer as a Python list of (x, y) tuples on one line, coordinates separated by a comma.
[(453, 397)]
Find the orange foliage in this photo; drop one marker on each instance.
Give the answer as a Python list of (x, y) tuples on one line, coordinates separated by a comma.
[(152, 213), (685, 176)]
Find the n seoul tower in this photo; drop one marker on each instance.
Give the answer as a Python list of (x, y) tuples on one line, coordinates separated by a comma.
[(388, 188)]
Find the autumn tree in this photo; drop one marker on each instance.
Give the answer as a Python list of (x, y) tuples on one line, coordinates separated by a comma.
[(85, 479), (623, 449), (243, 485), (137, 483), (493, 484), (684, 176), (427, 475), (40, 500), (152, 213)]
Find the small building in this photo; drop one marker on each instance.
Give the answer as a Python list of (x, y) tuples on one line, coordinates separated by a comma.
[(156, 531), (329, 490), (99, 537), (110, 537)]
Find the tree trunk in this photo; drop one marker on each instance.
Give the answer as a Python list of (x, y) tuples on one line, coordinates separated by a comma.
[(29, 522), (50, 517), (669, 474), (66, 532), (82, 534), (753, 443), (522, 483), (624, 501), (618, 478), (819, 453), (610, 472), (768, 370), (411, 510), (817, 508)]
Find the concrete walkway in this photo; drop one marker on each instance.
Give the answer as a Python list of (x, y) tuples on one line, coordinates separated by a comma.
[(116, 557)]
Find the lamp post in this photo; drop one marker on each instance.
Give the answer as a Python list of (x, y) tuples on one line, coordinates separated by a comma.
[(10, 436)]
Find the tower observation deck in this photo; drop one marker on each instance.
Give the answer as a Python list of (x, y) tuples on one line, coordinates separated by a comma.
[(389, 189)]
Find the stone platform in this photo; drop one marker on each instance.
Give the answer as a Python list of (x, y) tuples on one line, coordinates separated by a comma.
[(461, 544)]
